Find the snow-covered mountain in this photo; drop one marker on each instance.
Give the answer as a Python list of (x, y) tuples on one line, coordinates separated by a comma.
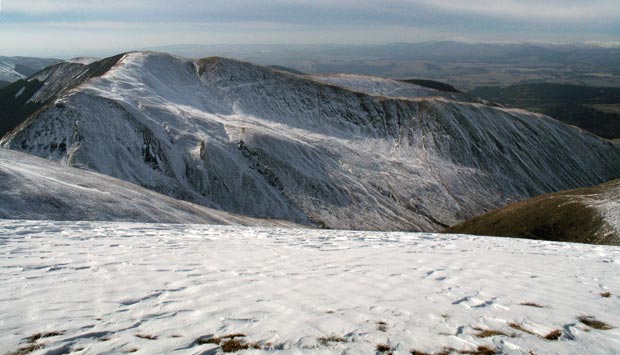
[(332, 152), (15, 68), (35, 189), (115, 288), (587, 215)]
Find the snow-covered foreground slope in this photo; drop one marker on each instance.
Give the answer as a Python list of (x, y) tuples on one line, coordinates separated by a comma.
[(34, 188), (251, 140), (586, 215), (110, 288)]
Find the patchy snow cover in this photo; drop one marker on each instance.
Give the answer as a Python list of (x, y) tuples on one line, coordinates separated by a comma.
[(609, 205), (585, 215), (35, 188), (254, 141), (21, 91), (108, 288)]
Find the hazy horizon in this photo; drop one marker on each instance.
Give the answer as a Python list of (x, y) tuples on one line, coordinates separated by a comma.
[(65, 28)]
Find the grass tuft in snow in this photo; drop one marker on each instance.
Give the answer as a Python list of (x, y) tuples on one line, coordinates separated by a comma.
[(26, 349), (531, 304), (594, 323), (33, 338), (331, 339), (487, 333), (554, 335), (32, 345), (383, 348), (519, 327), (480, 350)]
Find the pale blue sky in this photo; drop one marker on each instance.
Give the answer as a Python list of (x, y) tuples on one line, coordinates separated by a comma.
[(95, 27)]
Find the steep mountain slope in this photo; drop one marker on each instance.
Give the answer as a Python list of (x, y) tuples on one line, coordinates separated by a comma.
[(15, 68), (587, 215), (34, 188), (265, 143)]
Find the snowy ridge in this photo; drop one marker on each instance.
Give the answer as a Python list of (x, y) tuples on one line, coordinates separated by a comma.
[(15, 68), (251, 140), (112, 288), (387, 87), (34, 188)]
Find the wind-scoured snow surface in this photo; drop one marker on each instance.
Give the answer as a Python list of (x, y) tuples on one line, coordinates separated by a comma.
[(368, 154), (109, 288), (34, 188)]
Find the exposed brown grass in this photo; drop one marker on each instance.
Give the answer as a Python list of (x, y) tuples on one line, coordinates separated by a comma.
[(531, 304), (383, 348), (228, 343), (146, 336), (605, 294), (561, 216), (519, 327), (33, 338), (331, 339), (24, 350), (416, 352), (594, 323), (233, 345), (554, 335), (129, 351), (487, 333), (382, 326), (480, 350), (217, 340)]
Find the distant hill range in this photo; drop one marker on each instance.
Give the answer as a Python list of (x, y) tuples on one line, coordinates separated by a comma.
[(463, 65), (595, 109)]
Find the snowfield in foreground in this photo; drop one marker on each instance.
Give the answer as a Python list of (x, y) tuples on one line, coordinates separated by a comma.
[(110, 288)]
